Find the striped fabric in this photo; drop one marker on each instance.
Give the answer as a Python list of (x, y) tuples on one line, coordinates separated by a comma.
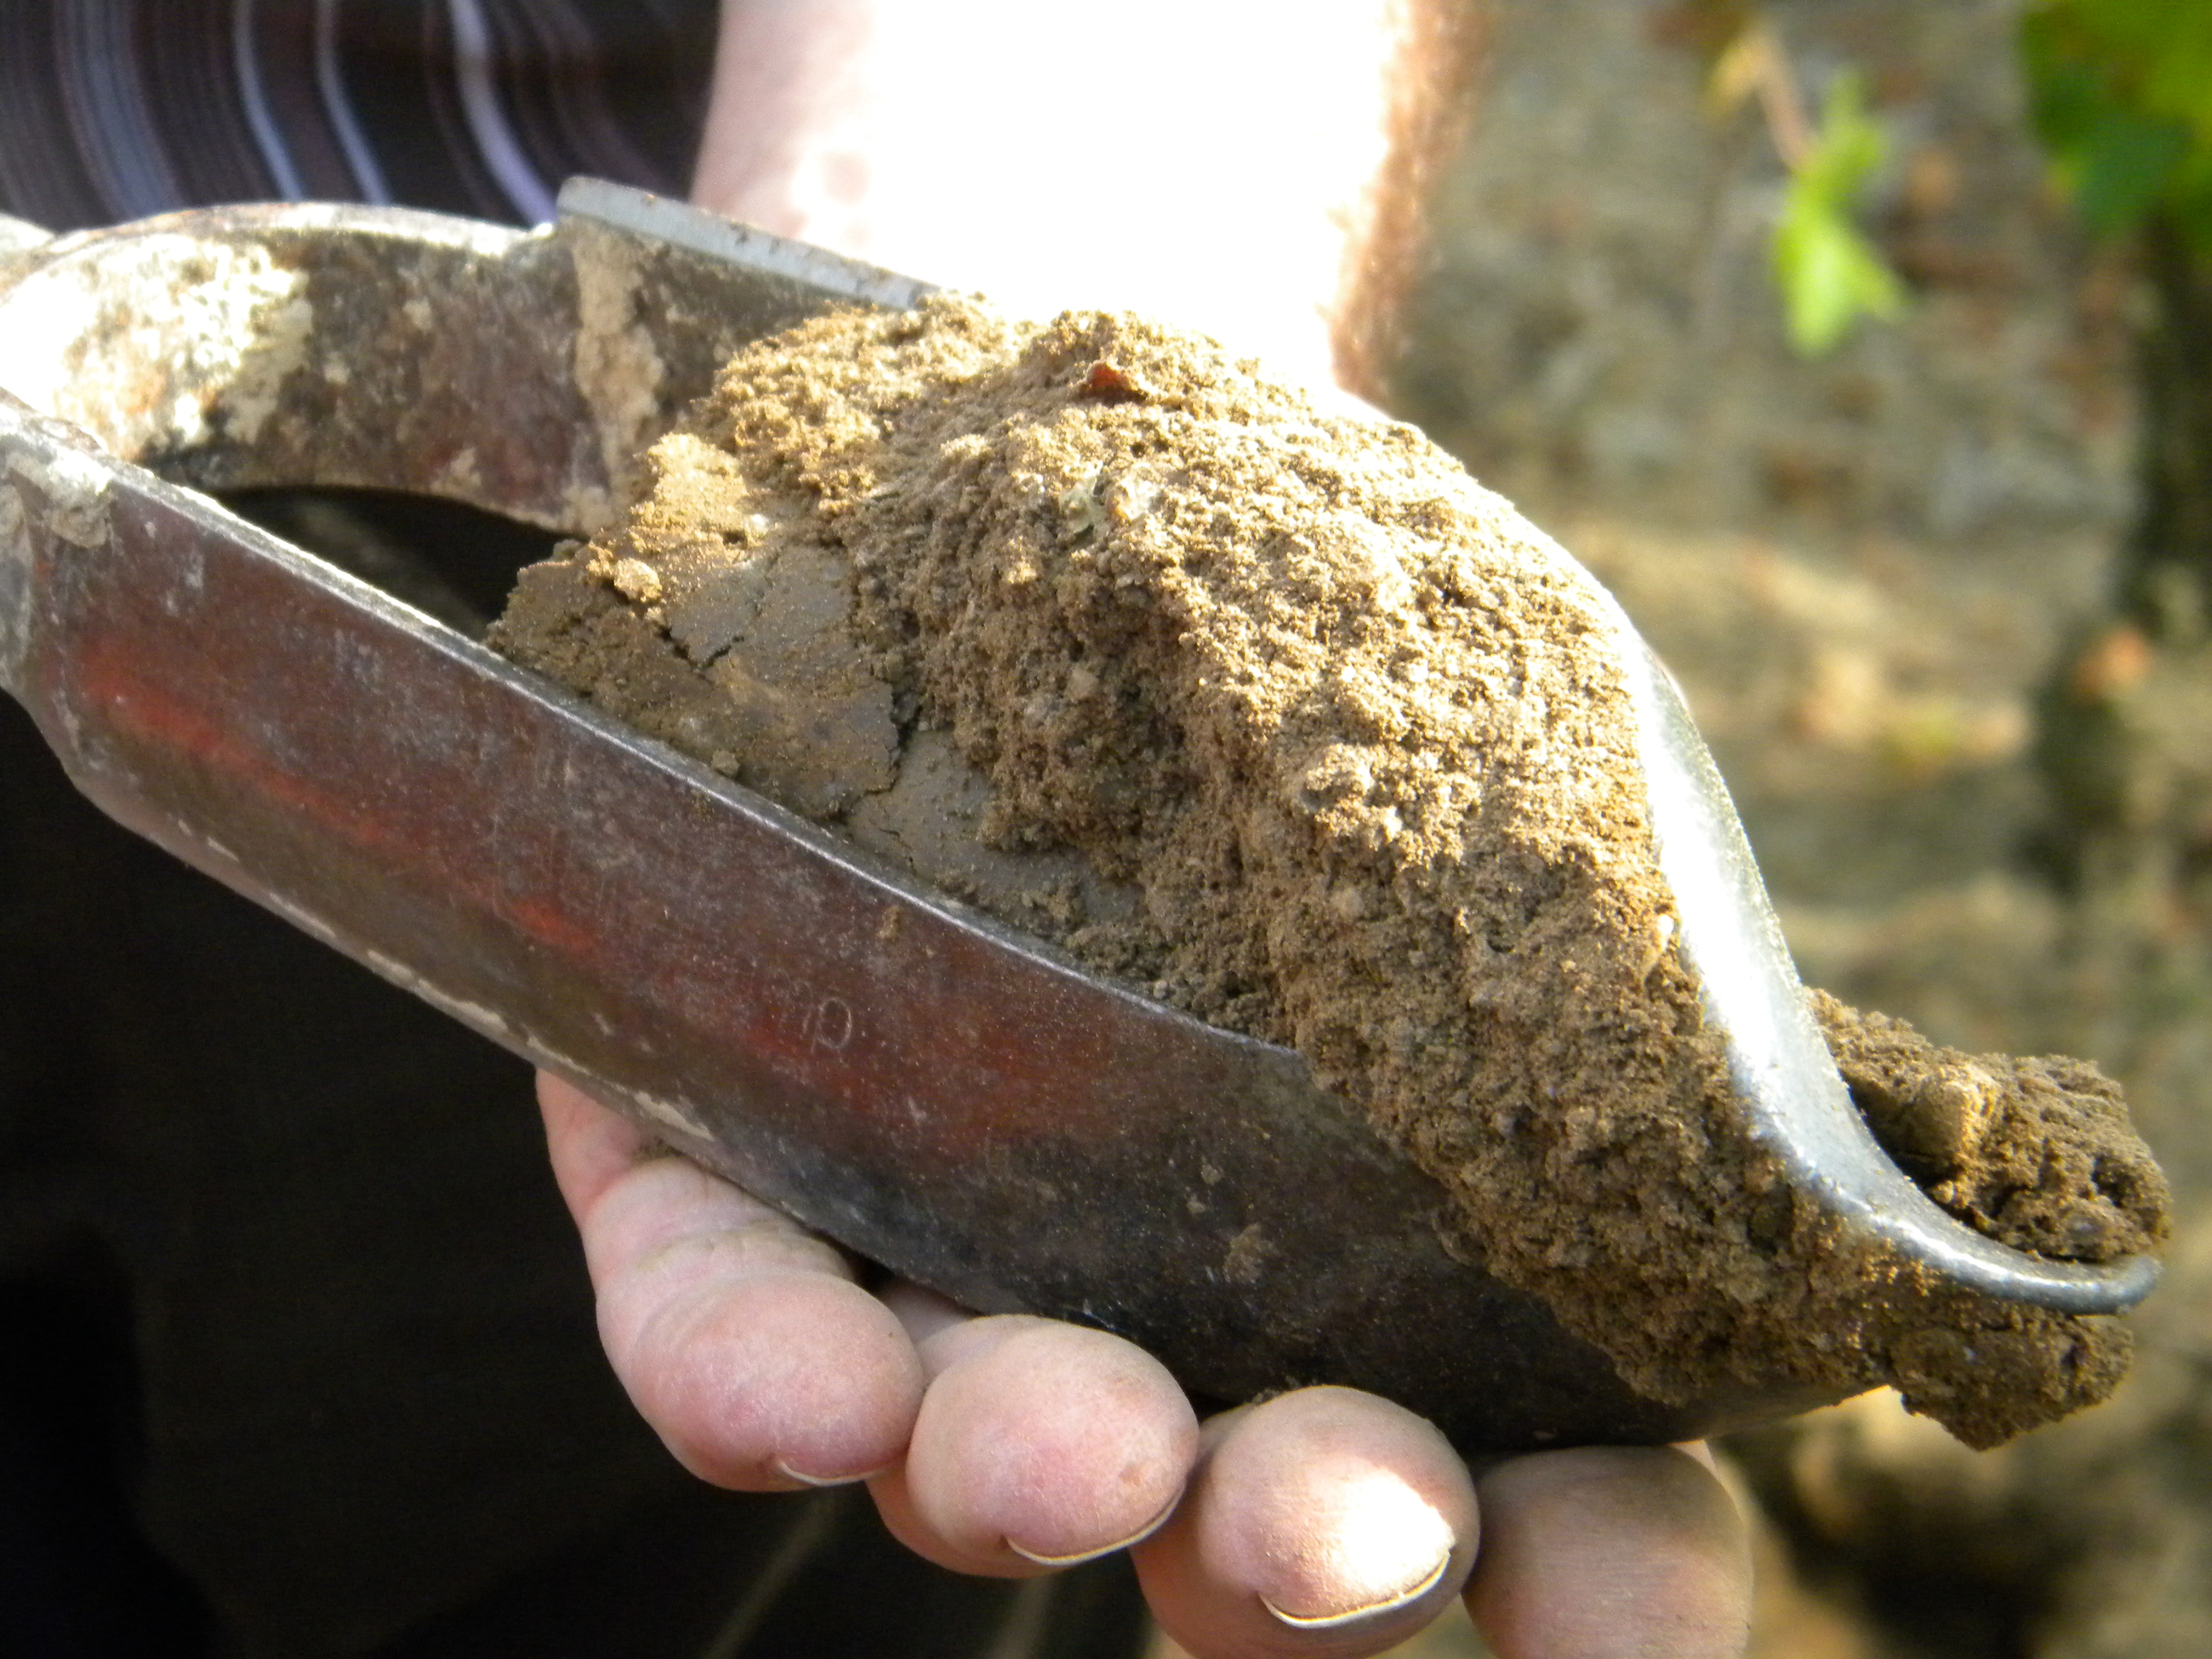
[(117, 109)]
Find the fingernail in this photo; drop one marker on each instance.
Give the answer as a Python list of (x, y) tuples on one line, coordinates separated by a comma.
[(1081, 1556), (1390, 1603), (806, 1479)]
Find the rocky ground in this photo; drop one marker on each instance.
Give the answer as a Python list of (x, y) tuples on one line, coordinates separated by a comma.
[(1864, 570)]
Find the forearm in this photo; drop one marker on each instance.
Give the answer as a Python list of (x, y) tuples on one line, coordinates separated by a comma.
[(1203, 160)]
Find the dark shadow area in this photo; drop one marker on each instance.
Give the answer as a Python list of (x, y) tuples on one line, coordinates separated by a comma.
[(453, 562), (77, 1579)]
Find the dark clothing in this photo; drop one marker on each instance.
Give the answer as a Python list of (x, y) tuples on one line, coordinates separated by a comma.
[(297, 1352), (113, 110)]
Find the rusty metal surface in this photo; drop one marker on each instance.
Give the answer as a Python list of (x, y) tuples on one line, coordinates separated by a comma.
[(326, 344), (937, 1093), (19, 238)]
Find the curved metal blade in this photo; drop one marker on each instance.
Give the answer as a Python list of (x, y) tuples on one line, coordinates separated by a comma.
[(940, 1093)]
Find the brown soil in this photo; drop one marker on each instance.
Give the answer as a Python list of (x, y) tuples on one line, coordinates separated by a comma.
[(2037, 1152), (1279, 716)]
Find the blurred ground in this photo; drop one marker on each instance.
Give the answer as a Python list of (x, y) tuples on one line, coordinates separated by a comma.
[(1862, 571)]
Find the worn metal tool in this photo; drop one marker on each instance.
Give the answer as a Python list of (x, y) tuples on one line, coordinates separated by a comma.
[(931, 1090)]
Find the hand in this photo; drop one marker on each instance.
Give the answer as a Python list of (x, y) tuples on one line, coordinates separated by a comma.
[(1322, 1522)]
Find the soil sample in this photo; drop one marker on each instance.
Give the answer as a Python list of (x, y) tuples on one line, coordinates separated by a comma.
[(1278, 716)]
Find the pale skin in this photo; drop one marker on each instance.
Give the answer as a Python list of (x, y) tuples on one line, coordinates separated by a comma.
[(1226, 182)]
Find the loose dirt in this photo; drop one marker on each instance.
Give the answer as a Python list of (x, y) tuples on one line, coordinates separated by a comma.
[(1279, 716)]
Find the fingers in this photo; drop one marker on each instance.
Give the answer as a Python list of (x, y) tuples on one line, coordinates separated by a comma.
[(1038, 1444), (1325, 1521), (740, 1336), (590, 1146), (1321, 1523), (1611, 1551), (744, 1341)]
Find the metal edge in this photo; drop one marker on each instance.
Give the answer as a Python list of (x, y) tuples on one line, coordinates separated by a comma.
[(660, 219)]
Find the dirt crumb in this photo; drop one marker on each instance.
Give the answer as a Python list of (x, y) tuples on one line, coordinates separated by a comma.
[(2038, 1153), (1280, 717)]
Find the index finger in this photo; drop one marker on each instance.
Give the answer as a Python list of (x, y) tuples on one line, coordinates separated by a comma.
[(741, 1337)]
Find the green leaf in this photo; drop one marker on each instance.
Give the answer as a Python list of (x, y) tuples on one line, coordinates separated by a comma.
[(2121, 92), (1829, 273), (1830, 276), (1852, 145), (2122, 167)]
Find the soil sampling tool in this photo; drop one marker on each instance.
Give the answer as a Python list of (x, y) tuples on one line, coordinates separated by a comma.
[(931, 1090)]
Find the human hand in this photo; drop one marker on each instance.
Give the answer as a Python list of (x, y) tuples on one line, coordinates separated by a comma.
[(1324, 1521)]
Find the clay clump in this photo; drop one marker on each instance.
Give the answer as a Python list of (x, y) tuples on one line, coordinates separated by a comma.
[(1279, 716)]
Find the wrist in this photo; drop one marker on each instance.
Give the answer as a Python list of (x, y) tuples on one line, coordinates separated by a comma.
[(1179, 158)]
